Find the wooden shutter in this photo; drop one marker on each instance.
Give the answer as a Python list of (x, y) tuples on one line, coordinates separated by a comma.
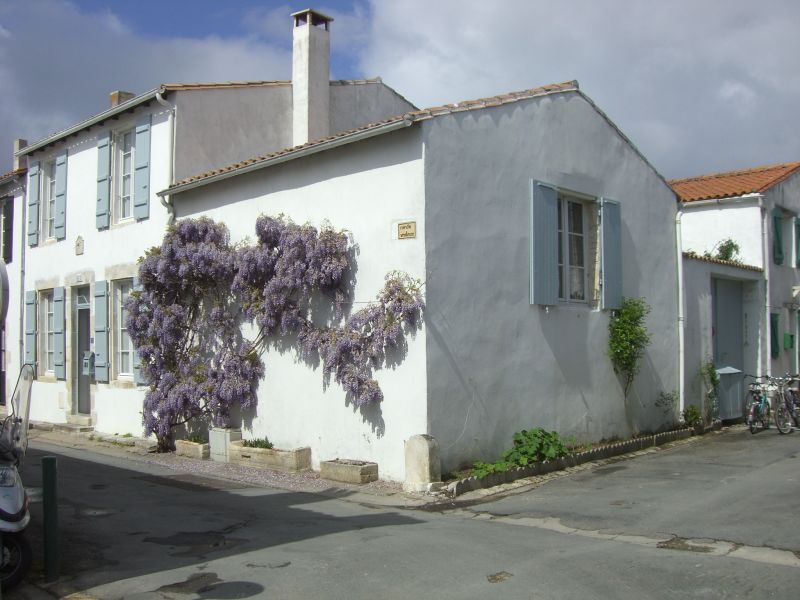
[(544, 244), (60, 218), (610, 254), (796, 242), (8, 230), (59, 337), (777, 236), (774, 330), (141, 178), (30, 329), (103, 208), (101, 361), (33, 204)]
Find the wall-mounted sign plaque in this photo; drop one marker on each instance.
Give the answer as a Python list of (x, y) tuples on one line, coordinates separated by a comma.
[(407, 230)]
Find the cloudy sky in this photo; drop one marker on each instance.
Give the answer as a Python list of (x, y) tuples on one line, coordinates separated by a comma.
[(698, 85)]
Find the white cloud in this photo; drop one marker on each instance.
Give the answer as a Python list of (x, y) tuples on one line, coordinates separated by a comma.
[(677, 77), (58, 65)]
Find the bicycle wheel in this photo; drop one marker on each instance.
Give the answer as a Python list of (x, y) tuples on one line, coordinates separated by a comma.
[(765, 416), (749, 411), (783, 417)]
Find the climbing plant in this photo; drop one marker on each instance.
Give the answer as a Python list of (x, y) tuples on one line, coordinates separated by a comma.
[(627, 338), (710, 377), (198, 290)]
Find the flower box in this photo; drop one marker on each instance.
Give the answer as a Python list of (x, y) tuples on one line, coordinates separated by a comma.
[(298, 459), (348, 471), (192, 449)]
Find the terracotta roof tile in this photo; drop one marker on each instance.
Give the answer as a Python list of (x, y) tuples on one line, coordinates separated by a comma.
[(733, 183), (12, 174), (413, 116), (718, 261)]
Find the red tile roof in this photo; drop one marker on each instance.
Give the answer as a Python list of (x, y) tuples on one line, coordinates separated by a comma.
[(733, 183), (718, 261), (12, 174), (409, 118)]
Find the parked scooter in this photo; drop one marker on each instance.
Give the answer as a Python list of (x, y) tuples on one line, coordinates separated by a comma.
[(14, 516)]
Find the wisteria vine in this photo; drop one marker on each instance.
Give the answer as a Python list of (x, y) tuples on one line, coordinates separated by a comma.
[(197, 290)]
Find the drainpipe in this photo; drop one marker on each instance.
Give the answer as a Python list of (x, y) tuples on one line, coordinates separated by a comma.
[(166, 201), (765, 264), (681, 324)]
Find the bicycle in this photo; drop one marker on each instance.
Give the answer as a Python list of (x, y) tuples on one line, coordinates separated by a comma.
[(757, 408), (787, 407)]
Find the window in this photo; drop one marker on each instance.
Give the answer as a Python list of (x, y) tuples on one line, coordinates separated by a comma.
[(124, 149), (571, 249), (123, 349), (47, 343), (47, 198), (7, 228)]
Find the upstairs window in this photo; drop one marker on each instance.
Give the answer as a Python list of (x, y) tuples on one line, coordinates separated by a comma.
[(47, 198), (124, 150)]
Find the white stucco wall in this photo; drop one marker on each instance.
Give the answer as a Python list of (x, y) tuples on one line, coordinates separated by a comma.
[(366, 188), (13, 364), (704, 226), (107, 255), (496, 363)]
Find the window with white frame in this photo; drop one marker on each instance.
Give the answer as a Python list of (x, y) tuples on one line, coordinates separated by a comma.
[(47, 341), (123, 349), (47, 198), (124, 152), (572, 245)]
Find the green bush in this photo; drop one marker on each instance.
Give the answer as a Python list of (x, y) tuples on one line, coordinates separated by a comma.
[(258, 443), (627, 338), (532, 446), (692, 416)]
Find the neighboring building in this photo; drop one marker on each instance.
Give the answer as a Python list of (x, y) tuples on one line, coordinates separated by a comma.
[(534, 216), (91, 212), (759, 209), (12, 246)]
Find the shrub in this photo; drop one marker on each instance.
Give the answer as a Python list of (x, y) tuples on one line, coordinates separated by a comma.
[(692, 416), (530, 446), (627, 338), (258, 443)]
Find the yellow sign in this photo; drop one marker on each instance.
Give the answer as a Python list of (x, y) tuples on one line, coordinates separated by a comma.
[(407, 230)]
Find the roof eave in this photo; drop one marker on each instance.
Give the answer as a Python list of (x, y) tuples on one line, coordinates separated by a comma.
[(291, 155), (99, 118)]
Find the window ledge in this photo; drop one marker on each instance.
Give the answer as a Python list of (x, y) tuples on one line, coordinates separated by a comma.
[(48, 377), (123, 223), (123, 383)]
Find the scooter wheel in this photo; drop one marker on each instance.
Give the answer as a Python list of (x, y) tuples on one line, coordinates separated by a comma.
[(16, 560)]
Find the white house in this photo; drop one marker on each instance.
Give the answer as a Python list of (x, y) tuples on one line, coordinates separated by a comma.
[(91, 211), (528, 215), (533, 216), (750, 309)]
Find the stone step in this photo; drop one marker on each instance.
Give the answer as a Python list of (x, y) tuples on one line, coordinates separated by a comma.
[(72, 428)]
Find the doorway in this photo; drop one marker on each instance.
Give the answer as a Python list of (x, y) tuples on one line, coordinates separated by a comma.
[(83, 406), (728, 327)]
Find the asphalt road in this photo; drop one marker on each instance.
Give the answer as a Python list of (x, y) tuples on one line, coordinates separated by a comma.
[(712, 519)]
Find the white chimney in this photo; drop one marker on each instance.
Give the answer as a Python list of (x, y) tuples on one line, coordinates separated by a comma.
[(311, 57), (20, 162)]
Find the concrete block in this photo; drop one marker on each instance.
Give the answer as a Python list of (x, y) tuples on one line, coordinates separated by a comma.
[(348, 471), (192, 449), (423, 464), (297, 459), (219, 439)]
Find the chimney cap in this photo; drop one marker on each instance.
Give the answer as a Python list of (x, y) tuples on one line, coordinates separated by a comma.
[(301, 17)]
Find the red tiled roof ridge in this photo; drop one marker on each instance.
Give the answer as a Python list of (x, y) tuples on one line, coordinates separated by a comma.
[(14, 173), (724, 174), (413, 116)]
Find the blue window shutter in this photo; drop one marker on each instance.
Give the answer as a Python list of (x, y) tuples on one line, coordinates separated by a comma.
[(611, 254), (101, 362), (141, 177), (544, 244), (59, 337), (774, 335), (30, 328), (60, 218), (103, 208), (33, 204), (137, 361), (777, 236)]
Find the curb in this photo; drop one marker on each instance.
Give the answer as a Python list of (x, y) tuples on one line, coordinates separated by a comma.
[(470, 484)]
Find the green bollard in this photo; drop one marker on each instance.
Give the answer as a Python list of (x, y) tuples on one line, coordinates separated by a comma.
[(50, 514)]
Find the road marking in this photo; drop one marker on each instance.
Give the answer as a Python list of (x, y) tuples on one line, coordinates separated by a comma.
[(760, 554)]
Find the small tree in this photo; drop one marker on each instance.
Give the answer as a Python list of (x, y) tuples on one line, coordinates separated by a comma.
[(627, 338), (726, 249)]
